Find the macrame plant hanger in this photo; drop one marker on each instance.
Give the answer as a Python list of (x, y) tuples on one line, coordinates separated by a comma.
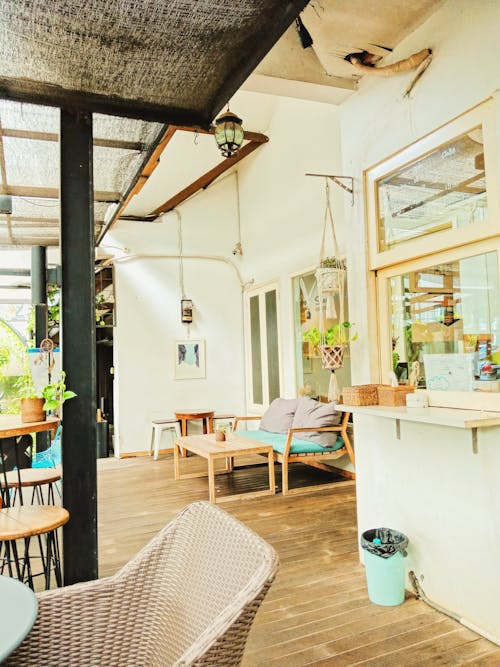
[(331, 279)]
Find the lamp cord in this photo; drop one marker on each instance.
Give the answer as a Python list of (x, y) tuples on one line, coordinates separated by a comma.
[(238, 204), (181, 265)]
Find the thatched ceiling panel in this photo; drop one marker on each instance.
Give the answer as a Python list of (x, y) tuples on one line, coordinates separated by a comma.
[(33, 163), (185, 57), (32, 207), (31, 167), (113, 168)]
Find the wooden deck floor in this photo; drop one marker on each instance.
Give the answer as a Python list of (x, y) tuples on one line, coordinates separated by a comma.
[(317, 611)]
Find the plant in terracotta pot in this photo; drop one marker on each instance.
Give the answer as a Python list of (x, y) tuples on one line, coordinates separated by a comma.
[(220, 433), (35, 404)]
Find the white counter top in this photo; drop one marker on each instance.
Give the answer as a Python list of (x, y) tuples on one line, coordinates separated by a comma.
[(442, 416)]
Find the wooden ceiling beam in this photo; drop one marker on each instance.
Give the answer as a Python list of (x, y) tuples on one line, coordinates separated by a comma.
[(207, 178), (255, 139), (54, 136)]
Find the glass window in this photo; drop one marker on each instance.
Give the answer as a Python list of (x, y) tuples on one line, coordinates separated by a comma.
[(444, 190), (446, 318), (256, 350), (262, 346), (273, 367)]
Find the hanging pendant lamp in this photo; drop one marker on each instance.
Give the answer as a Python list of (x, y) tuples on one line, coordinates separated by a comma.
[(228, 133)]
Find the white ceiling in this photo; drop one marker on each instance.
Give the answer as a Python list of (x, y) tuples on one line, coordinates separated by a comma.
[(319, 73)]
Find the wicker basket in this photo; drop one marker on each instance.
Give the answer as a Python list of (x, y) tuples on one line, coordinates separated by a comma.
[(393, 396), (362, 394)]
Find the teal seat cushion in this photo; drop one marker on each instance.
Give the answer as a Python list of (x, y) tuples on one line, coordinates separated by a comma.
[(278, 440)]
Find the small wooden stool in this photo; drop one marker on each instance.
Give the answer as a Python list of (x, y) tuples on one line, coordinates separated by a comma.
[(158, 426)]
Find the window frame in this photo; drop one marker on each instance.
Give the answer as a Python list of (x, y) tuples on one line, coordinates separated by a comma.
[(484, 115), (473, 400)]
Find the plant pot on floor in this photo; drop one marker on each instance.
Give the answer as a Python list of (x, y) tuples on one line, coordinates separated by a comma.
[(32, 410)]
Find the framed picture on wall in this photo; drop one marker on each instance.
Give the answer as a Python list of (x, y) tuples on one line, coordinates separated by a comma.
[(189, 362)]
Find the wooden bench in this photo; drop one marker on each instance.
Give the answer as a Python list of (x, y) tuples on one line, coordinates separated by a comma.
[(288, 448)]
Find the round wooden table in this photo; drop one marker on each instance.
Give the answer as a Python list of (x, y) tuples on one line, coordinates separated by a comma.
[(20, 608), (206, 416)]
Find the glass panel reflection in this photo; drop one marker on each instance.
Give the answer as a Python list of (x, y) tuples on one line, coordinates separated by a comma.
[(444, 190), (446, 324)]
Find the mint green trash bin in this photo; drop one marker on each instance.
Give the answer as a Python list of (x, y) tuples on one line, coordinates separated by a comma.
[(385, 552)]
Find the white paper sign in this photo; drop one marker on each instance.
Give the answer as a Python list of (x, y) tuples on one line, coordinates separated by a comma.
[(45, 367), (449, 372)]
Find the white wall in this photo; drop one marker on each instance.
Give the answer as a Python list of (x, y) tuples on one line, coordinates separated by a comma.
[(281, 221), (377, 121), (446, 500), (282, 209), (148, 316), (428, 485)]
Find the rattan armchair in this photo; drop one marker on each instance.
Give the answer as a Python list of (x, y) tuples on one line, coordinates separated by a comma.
[(188, 598)]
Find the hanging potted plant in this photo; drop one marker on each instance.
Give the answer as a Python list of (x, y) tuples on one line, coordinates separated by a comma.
[(331, 343), (336, 339)]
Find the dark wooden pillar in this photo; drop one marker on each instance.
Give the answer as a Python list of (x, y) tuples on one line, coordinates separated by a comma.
[(78, 347)]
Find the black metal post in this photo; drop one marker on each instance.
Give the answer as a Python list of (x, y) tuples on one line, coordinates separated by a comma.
[(78, 347), (39, 302)]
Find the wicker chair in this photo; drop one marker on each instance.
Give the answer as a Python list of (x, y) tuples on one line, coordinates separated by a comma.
[(188, 598)]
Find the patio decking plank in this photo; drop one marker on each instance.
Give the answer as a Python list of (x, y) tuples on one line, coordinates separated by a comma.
[(317, 612)]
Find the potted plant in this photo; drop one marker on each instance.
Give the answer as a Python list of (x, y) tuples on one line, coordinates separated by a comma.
[(31, 403), (220, 432), (35, 404)]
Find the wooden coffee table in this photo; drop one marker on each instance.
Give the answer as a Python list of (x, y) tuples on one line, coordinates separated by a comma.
[(206, 446)]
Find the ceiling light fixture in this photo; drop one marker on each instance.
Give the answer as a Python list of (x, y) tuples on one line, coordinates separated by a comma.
[(228, 133)]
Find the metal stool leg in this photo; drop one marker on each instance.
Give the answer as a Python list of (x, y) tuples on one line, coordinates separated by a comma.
[(158, 430)]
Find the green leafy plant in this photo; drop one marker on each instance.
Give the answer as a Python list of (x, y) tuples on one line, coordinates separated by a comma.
[(333, 263), (335, 336), (56, 393)]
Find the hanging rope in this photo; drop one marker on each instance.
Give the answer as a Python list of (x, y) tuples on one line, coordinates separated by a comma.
[(330, 279), (328, 217)]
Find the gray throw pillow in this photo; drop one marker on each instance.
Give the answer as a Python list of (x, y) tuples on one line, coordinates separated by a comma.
[(279, 415), (311, 413)]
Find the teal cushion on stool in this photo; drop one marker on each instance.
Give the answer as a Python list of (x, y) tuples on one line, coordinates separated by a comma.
[(278, 441)]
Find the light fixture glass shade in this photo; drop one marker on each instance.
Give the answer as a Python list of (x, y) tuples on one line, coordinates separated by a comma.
[(228, 133)]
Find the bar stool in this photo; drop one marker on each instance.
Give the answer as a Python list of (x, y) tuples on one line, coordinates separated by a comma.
[(23, 522), (158, 426), (20, 523), (37, 479)]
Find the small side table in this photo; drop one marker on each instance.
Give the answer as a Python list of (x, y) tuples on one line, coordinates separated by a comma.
[(20, 608), (207, 417)]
